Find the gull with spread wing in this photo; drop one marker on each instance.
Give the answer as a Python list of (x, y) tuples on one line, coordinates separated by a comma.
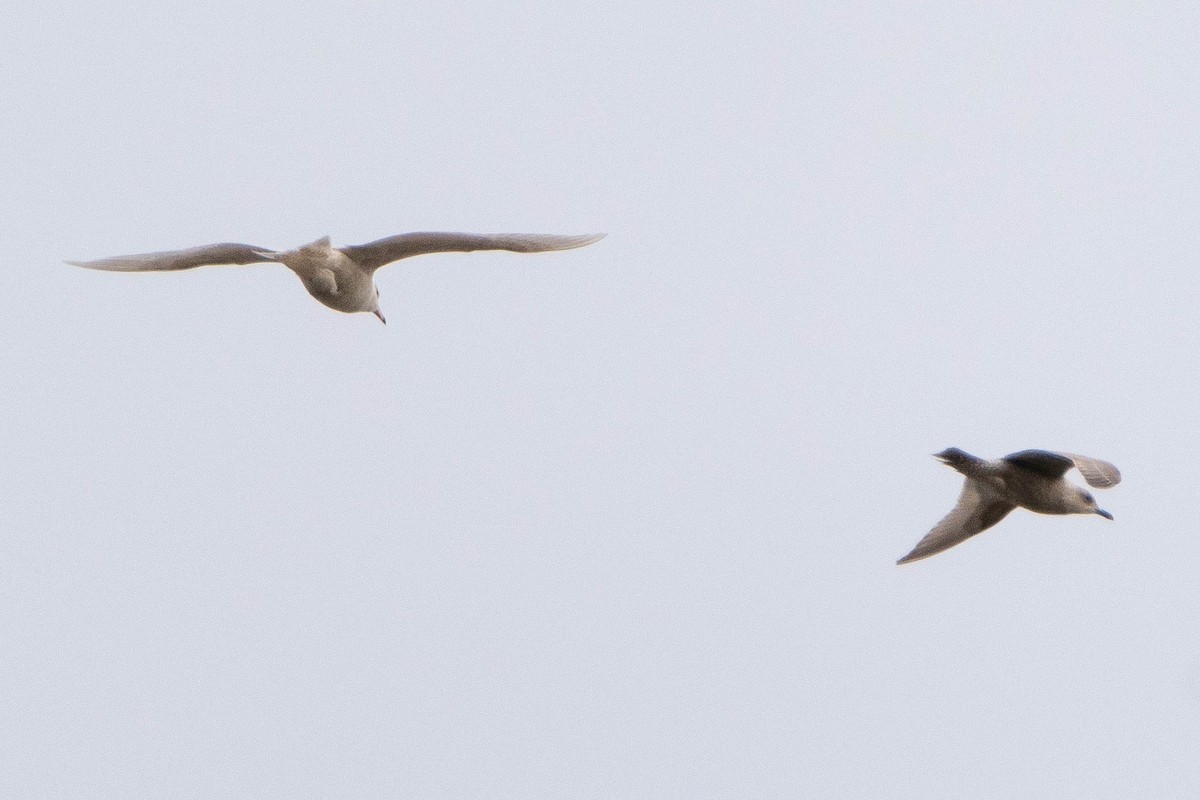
[(342, 278), (1031, 479)]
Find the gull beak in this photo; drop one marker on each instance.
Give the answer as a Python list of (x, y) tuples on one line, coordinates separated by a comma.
[(1103, 513), (379, 314)]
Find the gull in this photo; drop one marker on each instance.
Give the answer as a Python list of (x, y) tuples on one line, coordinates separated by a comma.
[(342, 278), (1031, 479)]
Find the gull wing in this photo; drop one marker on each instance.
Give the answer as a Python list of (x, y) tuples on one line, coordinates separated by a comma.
[(1043, 462), (973, 514), (167, 260), (373, 255), (1100, 474)]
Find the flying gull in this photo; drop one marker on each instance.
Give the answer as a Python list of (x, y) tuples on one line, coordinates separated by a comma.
[(1031, 479), (340, 277)]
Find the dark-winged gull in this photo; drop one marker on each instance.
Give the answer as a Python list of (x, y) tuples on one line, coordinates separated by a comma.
[(342, 278), (1030, 479)]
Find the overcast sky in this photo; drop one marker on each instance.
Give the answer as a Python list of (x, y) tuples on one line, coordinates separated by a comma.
[(618, 521)]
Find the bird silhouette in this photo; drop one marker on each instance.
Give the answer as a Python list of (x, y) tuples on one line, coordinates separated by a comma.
[(1031, 479), (342, 278)]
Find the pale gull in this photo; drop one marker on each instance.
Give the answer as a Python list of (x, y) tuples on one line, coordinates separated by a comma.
[(342, 278), (1031, 479)]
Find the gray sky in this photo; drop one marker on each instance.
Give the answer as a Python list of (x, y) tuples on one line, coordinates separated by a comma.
[(620, 521)]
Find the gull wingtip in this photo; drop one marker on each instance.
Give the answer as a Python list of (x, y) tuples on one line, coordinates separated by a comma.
[(914, 556)]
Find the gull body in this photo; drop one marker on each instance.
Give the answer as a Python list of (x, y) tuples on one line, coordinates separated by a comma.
[(332, 277), (1031, 479), (342, 278)]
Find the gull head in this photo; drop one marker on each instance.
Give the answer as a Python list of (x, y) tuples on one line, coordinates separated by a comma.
[(1086, 504), (375, 309)]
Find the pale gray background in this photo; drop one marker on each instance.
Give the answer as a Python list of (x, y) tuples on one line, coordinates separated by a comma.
[(621, 521)]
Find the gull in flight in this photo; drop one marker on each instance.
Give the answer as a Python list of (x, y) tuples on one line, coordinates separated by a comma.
[(1030, 479), (342, 278)]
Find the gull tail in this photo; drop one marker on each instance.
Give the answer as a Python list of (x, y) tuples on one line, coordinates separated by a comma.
[(961, 460)]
